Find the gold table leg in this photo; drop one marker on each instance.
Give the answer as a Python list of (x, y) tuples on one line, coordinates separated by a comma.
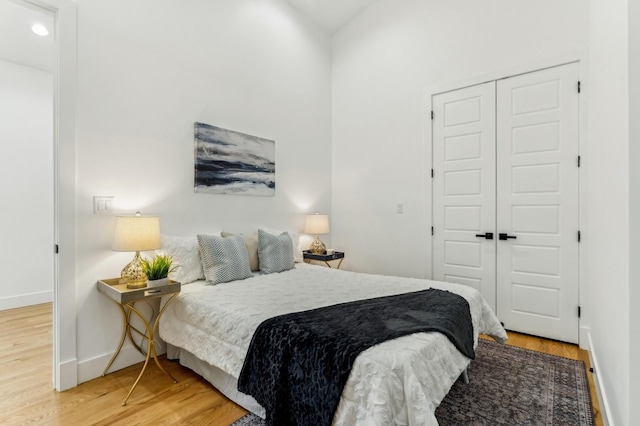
[(151, 349), (326, 262), (125, 323), (149, 336), (153, 333), (131, 328), (329, 265)]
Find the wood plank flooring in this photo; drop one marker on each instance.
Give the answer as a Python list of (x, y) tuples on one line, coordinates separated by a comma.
[(27, 395)]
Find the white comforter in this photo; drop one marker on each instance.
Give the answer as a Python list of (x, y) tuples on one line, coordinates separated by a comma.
[(399, 382)]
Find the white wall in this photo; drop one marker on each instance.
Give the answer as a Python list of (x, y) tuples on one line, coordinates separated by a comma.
[(634, 210), (26, 186), (608, 204), (384, 63), (147, 70)]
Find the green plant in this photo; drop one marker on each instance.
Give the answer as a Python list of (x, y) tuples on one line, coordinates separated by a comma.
[(157, 268)]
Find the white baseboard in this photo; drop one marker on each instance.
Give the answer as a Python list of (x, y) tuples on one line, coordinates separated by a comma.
[(584, 338), (23, 300), (92, 368), (67, 375), (600, 391)]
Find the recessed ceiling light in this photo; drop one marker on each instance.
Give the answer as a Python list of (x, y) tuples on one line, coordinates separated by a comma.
[(40, 29)]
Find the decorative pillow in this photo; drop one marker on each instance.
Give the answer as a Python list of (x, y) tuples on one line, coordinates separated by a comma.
[(275, 252), (185, 253), (251, 241), (224, 259), (295, 242)]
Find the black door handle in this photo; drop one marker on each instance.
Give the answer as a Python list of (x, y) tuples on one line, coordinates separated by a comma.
[(487, 235), (506, 237)]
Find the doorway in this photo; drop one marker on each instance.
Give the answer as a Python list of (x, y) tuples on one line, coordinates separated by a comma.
[(64, 14), (505, 197), (26, 155)]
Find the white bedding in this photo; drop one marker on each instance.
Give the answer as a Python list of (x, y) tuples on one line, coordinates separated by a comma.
[(400, 382)]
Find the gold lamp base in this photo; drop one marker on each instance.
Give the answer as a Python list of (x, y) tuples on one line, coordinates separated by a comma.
[(133, 275), (317, 247)]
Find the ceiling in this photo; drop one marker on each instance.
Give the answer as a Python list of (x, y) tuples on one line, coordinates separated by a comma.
[(331, 15), (18, 44)]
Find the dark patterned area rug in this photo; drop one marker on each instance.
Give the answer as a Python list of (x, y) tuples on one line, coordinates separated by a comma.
[(512, 386)]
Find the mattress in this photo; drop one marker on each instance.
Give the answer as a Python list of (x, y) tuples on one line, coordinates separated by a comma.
[(400, 381)]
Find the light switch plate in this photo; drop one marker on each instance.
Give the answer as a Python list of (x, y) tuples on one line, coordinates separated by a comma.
[(102, 205)]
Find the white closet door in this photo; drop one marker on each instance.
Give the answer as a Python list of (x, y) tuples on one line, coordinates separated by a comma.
[(464, 188), (537, 171)]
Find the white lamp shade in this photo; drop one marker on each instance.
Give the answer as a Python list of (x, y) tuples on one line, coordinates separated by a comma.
[(136, 233), (316, 224)]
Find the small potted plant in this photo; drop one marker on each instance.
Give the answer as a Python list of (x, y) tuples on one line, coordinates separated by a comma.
[(157, 270)]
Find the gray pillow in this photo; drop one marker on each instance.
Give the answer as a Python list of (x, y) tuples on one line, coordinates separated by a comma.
[(275, 252), (224, 259)]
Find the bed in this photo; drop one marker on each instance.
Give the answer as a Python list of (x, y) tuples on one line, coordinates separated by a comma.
[(402, 381)]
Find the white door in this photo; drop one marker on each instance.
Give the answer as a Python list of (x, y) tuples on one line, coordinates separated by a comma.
[(537, 203), (464, 188)]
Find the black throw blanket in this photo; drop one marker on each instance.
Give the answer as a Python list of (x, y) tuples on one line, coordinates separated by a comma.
[(297, 364)]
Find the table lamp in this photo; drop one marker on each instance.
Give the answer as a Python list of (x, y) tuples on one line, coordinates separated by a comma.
[(136, 233), (317, 224)]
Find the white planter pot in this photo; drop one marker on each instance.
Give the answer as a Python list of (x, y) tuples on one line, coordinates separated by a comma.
[(157, 283)]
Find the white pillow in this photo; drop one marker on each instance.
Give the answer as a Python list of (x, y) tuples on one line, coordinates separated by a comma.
[(295, 241), (185, 253)]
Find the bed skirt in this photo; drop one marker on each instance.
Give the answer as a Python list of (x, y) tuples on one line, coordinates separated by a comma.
[(223, 382)]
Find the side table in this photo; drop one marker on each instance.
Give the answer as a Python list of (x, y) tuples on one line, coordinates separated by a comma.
[(126, 299), (326, 258)]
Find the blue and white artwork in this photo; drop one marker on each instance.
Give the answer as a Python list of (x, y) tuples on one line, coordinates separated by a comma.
[(229, 162)]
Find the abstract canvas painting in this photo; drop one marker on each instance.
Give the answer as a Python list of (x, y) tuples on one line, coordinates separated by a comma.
[(229, 162)]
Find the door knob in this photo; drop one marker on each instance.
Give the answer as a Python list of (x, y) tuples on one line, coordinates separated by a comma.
[(487, 235), (506, 237)]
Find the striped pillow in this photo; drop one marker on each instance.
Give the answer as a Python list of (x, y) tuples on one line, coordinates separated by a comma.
[(275, 252), (224, 259)]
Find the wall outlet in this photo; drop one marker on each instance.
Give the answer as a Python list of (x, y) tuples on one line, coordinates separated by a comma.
[(400, 208)]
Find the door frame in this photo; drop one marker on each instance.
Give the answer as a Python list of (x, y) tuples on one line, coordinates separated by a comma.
[(65, 362), (580, 58)]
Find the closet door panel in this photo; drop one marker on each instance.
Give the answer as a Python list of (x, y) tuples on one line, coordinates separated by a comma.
[(537, 203), (464, 188)]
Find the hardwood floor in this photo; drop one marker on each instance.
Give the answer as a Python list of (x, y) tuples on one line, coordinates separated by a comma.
[(27, 395)]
